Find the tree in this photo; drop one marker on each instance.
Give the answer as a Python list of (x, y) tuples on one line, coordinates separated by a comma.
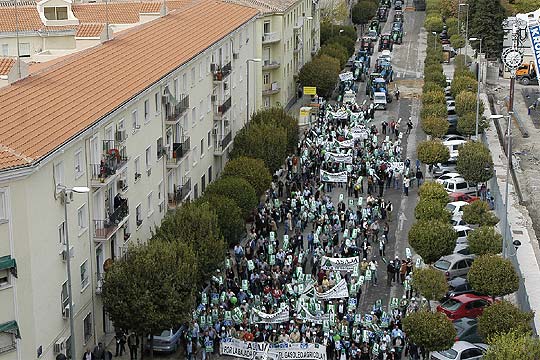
[(321, 72), (363, 11), (196, 224), (436, 77), (277, 115), (336, 51), (230, 219), (433, 23), (503, 317), (493, 275), (432, 239), (434, 68), (267, 142), (344, 41), (334, 10), (478, 212), (431, 210), (462, 83), (484, 240), (466, 103), (433, 191), (452, 25), (435, 126), (474, 162), (433, 97), (513, 345), (449, 8), (431, 86), (432, 331), (464, 71), (238, 190), (253, 170), (152, 287), (432, 152), (430, 283), (457, 41), (438, 110), (486, 17), (466, 124), (459, 63)]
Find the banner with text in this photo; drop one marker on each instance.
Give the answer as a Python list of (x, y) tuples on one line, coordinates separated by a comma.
[(338, 291), (282, 315), (340, 158), (334, 177), (534, 34), (305, 315), (263, 350), (340, 264)]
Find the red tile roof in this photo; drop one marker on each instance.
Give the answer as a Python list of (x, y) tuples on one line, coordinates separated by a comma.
[(6, 63), (48, 108), (118, 13), (90, 30)]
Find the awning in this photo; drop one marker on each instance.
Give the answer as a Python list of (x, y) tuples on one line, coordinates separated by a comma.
[(6, 262), (11, 327)]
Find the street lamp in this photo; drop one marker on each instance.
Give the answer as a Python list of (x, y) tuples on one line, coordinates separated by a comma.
[(247, 86), (478, 83), (66, 194), (434, 39), (466, 28)]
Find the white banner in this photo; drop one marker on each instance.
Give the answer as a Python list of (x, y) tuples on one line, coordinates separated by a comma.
[(346, 144), (341, 158), (282, 351), (340, 114), (305, 315), (282, 315), (359, 133), (340, 264), (397, 167), (346, 76), (334, 177), (338, 291)]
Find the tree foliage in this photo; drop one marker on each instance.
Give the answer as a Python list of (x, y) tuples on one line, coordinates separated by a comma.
[(432, 331), (344, 41), (513, 345), (486, 17), (503, 317), (267, 142), (478, 212), (152, 287), (432, 152), (253, 170), (433, 191), (485, 240), (466, 124), (493, 275), (466, 104), (432, 239), (433, 97), (238, 189), (462, 83), (433, 23), (334, 10), (277, 115), (431, 86), (321, 72), (363, 11), (335, 50), (457, 41), (438, 110), (436, 77), (474, 162), (431, 210), (435, 126), (230, 219), (430, 283)]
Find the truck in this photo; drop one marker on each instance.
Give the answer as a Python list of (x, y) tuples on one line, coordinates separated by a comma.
[(385, 69), (382, 14), (379, 94), (367, 44), (385, 42), (375, 25), (361, 65), (370, 80), (526, 74), (397, 32)]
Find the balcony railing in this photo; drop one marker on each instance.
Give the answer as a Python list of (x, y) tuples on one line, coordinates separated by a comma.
[(270, 64), (112, 159), (181, 193), (221, 144), (221, 72), (271, 37), (178, 151), (175, 108), (273, 89), (103, 229), (223, 108)]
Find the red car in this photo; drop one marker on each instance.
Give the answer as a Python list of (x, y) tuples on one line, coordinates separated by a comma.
[(459, 196), (464, 305)]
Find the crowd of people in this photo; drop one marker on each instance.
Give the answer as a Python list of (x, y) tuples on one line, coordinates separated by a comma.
[(280, 287)]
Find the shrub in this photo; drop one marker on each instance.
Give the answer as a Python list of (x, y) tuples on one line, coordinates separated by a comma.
[(250, 169), (238, 190)]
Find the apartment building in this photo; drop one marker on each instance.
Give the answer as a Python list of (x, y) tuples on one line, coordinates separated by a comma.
[(144, 121), (289, 37)]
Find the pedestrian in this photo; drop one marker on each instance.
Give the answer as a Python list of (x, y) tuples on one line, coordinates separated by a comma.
[(120, 338), (406, 184), (189, 349), (397, 94), (133, 344), (383, 127), (382, 246), (390, 273), (419, 176), (99, 352), (373, 267), (402, 271), (409, 126), (87, 355), (529, 109)]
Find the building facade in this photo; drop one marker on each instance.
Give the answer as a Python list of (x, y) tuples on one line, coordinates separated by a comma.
[(143, 127)]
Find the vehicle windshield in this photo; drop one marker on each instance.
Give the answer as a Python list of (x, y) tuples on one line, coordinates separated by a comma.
[(450, 353), (451, 305), (442, 264), (163, 333), (450, 207)]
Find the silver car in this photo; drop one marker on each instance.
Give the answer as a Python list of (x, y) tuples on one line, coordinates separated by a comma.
[(454, 265)]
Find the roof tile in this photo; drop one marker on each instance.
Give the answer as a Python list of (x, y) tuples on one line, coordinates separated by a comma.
[(6, 63), (90, 30)]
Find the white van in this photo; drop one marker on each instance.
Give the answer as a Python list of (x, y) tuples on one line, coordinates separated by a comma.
[(463, 232), (456, 209), (458, 184), (453, 146)]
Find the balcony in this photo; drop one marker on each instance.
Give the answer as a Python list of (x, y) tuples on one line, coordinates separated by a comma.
[(178, 151), (180, 195), (99, 282), (221, 72), (174, 109), (271, 90), (120, 136), (220, 110), (103, 229), (269, 38), (222, 143), (298, 46), (112, 160), (270, 64)]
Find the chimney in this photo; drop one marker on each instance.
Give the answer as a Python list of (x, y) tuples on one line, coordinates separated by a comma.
[(106, 33), (18, 71)]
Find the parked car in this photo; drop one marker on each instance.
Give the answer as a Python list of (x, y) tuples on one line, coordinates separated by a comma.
[(450, 105), (459, 184), (168, 340), (452, 137), (456, 208), (454, 265), (462, 249), (467, 330), (443, 168), (460, 196), (461, 350), (462, 231), (458, 286), (453, 145), (447, 176), (464, 305), (457, 221)]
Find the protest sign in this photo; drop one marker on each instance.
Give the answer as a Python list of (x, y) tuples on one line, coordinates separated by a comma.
[(334, 177), (338, 291), (340, 264), (341, 158), (306, 315), (283, 351), (282, 315), (346, 76)]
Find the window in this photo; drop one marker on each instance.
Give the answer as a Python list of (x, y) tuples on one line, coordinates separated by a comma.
[(24, 49), (266, 78), (266, 27), (208, 103), (87, 327), (201, 69), (201, 110), (202, 148), (194, 116), (5, 50), (184, 82), (3, 207), (185, 121), (137, 163), (138, 215), (79, 170), (59, 173), (148, 157), (64, 296), (62, 233), (196, 191), (156, 102), (5, 279), (192, 77), (203, 182), (149, 203), (135, 120), (210, 174), (56, 13), (160, 190), (176, 88), (82, 218), (84, 275), (159, 146), (146, 110), (209, 139)]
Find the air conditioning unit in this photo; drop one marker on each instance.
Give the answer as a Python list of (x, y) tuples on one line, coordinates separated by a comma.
[(69, 195), (60, 346), (235, 56), (65, 255), (66, 312)]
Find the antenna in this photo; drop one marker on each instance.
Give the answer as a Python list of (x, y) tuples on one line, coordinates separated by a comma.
[(107, 18), (17, 35)]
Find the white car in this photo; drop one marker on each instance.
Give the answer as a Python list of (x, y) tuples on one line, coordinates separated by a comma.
[(447, 176), (452, 137), (463, 232), (456, 209), (440, 169), (453, 145), (461, 350), (450, 105), (386, 55), (459, 184)]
